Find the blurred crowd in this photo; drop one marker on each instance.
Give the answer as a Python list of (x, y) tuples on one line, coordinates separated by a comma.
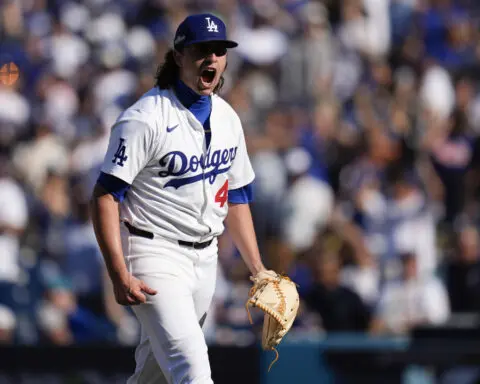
[(362, 119)]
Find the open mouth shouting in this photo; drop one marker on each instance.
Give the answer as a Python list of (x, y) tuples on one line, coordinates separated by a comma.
[(207, 77)]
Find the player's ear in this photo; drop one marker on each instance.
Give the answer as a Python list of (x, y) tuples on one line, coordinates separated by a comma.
[(177, 56)]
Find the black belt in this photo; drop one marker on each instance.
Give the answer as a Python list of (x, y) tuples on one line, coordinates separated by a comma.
[(149, 235)]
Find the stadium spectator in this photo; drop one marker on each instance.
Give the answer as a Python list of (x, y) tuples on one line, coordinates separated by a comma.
[(340, 308), (411, 301), (13, 221), (7, 325), (462, 272)]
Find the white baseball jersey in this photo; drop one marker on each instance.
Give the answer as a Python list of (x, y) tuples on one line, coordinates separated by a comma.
[(179, 188)]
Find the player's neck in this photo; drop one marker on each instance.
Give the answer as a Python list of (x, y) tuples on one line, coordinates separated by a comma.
[(188, 97), (199, 105)]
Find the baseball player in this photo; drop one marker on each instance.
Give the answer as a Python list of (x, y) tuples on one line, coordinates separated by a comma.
[(176, 168)]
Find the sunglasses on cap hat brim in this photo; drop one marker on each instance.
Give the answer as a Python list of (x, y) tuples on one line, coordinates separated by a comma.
[(219, 47)]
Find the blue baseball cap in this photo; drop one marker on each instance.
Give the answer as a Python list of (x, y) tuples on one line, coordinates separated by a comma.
[(201, 28)]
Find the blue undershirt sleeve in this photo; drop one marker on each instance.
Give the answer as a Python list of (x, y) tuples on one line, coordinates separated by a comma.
[(241, 195), (113, 185)]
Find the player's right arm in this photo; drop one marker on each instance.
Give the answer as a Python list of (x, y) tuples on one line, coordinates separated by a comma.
[(128, 152), (106, 223)]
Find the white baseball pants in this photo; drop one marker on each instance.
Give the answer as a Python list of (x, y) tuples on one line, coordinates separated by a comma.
[(172, 348)]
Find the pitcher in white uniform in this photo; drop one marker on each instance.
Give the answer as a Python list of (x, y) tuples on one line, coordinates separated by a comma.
[(176, 168)]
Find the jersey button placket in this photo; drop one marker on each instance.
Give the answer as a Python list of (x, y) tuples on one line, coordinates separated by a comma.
[(202, 145), (206, 182)]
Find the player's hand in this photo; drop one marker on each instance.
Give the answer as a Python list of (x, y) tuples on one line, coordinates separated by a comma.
[(131, 291)]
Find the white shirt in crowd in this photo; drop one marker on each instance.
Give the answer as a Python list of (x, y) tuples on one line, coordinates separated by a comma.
[(404, 304), (13, 213)]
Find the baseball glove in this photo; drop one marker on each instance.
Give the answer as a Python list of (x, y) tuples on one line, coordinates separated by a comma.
[(277, 297)]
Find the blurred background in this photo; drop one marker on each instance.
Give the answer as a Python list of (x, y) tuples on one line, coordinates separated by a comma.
[(362, 120)]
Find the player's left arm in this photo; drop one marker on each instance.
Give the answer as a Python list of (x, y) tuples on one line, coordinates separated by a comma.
[(239, 221), (240, 227)]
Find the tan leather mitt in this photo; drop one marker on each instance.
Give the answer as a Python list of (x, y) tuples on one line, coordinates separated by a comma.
[(277, 296)]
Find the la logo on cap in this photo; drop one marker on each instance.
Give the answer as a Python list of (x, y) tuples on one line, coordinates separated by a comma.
[(211, 26)]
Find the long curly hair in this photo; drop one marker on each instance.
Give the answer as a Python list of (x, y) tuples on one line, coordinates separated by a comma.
[(168, 73)]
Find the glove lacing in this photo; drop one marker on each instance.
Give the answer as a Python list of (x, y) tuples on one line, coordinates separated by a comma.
[(277, 315)]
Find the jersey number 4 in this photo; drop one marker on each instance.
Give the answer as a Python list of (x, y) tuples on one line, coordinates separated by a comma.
[(120, 156), (222, 194)]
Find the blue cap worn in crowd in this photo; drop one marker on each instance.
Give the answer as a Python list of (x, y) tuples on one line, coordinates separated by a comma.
[(200, 29)]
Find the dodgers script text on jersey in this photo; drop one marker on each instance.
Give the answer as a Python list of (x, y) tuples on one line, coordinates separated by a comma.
[(178, 164)]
